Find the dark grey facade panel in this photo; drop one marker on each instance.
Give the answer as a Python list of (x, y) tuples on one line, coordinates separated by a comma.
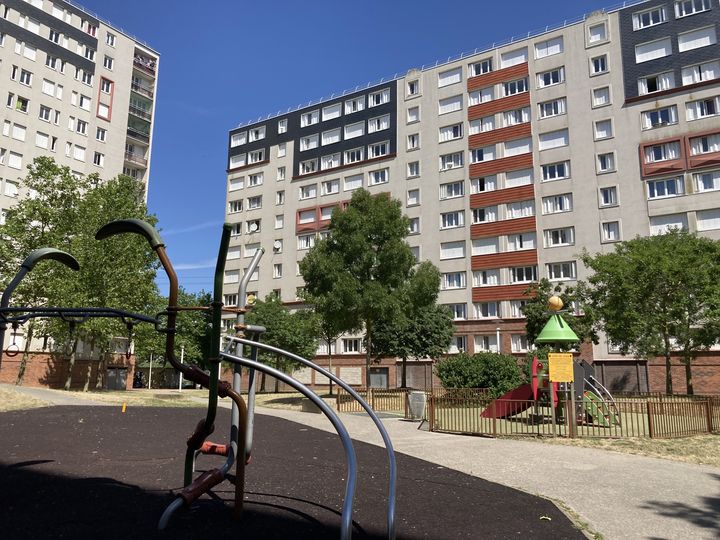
[(630, 38), (56, 24), (295, 132), (47, 46)]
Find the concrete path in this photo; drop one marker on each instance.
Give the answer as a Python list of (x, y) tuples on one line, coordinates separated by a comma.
[(53, 397), (617, 495)]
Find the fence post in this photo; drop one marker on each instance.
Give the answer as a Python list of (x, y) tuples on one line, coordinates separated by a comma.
[(650, 419), (708, 411), (432, 413), (337, 399), (494, 417)]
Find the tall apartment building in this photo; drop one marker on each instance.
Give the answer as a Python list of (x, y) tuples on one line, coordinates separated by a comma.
[(508, 161), (74, 88)]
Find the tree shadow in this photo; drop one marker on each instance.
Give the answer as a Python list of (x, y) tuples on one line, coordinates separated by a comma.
[(705, 515)]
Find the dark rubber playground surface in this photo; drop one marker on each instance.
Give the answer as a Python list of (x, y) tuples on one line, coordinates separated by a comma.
[(96, 473)]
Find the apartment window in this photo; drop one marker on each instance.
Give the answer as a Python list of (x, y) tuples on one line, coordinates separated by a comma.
[(649, 17), (517, 147), (549, 47), (237, 160), (42, 140), (561, 270), (15, 160), (705, 145), (413, 141), (108, 62), (236, 183), (99, 159), (701, 72), (662, 152), (236, 229), (256, 156), (486, 278), (280, 197), (476, 97), (110, 39), (413, 169), (451, 133), (608, 196), (281, 150), (21, 104), (659, 117), (309, 118), (18, 132), (603, 129), (413, 88), (601, 96), (485, 310), (379, 98), (379, 177), (330, 161), (515, 87), (353, 182), (414, 226), (355, 105), (703, 108), (255, 179), (667, 187), (379, 123), (482, 125), (79, 153), (553, 139), (84, 102), (307, 216), (707, 181), (453, 280), (695, 39), (518, 343), (452, 76), (513, 58), (662, 224), (653, 50), (451, 161), (451, 190), (279, 224), (309, 166), (517, 116), (452, 220), (486, 343), (554, 107), (308, 192), (235, 206), (330, 187), (480, 185), (254, 203), (379, 149), (523, 274), (351, 345), (690, 7), (485, 246), (252, 226), (413, 115), (12, 189), (236, 139), (282, 125), (351, 131), (25, 77), (451, 104), (551, 77), (559, 237), (605, 162), (556, 204), (452, 250), (523, 177), (484, 215), (280, 176), (306, 241), (520, 209), (479, 155), (458, 311), (516, 307), (598, 65), (81, 127), (708, 220), (256, 134), (610, 231), (656, 83), (106, 88), (332, 111), (519, 242), (597, 33), (413, 197), (481, 67)]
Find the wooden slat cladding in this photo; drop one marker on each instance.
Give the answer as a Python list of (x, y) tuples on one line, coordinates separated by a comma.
[(490, 198), (498, 135), (704, 160), (513, 163), (506, 226), (501, 292), (505, 259), (501, 75), (499, 105)]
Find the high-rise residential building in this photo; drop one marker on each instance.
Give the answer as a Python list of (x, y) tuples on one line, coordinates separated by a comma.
[(74, 88), (508, 162)]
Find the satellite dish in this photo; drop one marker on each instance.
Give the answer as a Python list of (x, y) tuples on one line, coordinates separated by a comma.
[(253, 226), (277, 245)]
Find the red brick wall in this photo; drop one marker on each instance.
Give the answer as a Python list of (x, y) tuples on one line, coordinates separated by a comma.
[(705, 374)]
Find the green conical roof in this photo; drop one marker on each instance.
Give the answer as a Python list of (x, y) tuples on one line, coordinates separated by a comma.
[(556, 330)]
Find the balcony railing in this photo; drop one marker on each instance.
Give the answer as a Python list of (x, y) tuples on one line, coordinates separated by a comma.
[(145, 64), (144, 90), (142, 113), (138, 134), (135, 158)]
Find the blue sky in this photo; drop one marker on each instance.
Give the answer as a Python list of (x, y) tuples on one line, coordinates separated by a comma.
[(227, 61)]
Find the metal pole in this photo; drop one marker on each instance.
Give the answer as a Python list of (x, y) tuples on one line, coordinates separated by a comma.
[(150, 374), (182, 357)]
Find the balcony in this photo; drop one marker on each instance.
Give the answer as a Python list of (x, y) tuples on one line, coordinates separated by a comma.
[(140, 113), (143, 90), (138, 134), (145, 64), (136, 158)]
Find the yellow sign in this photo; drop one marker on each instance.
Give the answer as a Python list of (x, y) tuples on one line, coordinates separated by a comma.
[(561, 367)]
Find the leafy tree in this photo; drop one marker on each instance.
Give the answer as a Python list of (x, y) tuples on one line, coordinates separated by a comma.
[(659, 295), (294, 332), (420, 328), (537, 313), (499, 373), (360, 268)]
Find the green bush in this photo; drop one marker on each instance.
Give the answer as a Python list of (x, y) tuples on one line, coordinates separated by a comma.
[(498, 373)]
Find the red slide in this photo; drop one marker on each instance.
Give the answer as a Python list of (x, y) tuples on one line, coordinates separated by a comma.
[(522, 395)]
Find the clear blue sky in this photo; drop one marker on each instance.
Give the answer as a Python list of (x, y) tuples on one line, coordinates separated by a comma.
[(224, 62)]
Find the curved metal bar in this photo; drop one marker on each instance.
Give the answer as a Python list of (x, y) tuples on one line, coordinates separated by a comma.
[(137, 226), (169, 511), (346, 523), (392, 483)]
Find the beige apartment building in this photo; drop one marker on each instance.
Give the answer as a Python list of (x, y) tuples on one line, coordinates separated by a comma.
[(509, 161)]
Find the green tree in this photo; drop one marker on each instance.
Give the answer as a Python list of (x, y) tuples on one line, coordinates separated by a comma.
[(537, 313), (293, 332), (499, 373), (659, 296), (419, 328), (361, 266)]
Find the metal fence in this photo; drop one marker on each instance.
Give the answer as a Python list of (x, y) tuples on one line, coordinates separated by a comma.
[(380, 399)]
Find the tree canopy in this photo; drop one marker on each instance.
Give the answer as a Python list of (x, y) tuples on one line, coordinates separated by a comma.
[(659, 296)]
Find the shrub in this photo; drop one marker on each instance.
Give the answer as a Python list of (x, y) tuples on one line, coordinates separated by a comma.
[(498, 373)]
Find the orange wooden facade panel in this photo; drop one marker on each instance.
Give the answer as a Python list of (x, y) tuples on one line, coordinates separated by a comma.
[(497, 135), (498, 196), (506, 226), (512, 163), (501, 292), (704, 160), (501, 75), (506, 259), (499, 105)]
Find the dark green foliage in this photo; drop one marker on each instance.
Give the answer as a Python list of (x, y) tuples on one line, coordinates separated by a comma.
[(497, 372)]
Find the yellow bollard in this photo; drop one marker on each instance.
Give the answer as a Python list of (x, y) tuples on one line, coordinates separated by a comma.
[(124, 406)]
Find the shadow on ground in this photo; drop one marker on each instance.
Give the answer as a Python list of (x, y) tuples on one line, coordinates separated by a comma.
[(96, 473)]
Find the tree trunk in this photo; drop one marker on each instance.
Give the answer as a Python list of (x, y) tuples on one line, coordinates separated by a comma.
[(277, 381), (330, 364), (102, 363), (403, 383), (26, 354), (368, 344), (262, 380), (668, 366), (688, 374), (71, 363)]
